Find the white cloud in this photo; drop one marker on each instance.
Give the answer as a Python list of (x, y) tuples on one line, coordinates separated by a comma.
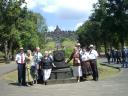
[(51, 28), (78, 25), (65, 9), (31, 4), (50, 9)]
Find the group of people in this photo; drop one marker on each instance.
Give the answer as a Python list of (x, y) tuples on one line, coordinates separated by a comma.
[(84, 62), (33, 66), (118, 56)]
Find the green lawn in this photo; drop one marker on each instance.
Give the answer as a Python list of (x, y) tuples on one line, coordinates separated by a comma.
[(2, 61), (12, 76), (107, 72), (104, 73), (1, 64)]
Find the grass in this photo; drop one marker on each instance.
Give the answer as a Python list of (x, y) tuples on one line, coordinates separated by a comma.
[(12, 76), (1, 64), (107, 72), (104, 73), (2, 61), (68, 43)]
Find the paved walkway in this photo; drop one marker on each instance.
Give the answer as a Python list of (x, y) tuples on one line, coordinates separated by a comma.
[(116, 86), (7, 68)]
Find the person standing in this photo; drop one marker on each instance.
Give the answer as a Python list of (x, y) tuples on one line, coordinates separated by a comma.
[(113, 55), (29, 61), (37, 58), (20, 60), (46, 65), (86, 68), (124, 58), (78, 46), (93, 62), (51, 55), (108, 55), (118, 56), (77, 71)]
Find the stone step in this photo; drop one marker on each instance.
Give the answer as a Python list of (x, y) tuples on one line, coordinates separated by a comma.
[(62, 81)]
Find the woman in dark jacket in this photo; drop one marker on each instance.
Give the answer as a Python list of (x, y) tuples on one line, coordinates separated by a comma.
[(46, 65)]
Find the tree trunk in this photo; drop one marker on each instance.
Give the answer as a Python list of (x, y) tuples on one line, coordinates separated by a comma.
[(105, 47), (6, 51), (97, 47), (122, 44), (10, 50)]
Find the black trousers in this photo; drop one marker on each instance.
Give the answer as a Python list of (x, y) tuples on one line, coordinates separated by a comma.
[(93, 64), (21, 74)]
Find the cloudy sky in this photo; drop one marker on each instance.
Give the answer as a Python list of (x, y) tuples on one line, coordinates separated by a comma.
[(67, 14)]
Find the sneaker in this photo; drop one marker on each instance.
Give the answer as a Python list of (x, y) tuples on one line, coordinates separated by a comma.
[(78, 81)]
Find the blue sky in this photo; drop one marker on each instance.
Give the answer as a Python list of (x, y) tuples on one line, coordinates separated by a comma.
[(67, 14)]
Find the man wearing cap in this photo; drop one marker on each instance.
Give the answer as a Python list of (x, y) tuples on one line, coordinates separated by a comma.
[(93, 62), (20, 60)]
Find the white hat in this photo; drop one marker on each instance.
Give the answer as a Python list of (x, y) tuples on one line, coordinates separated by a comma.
[(78, 44), (46, 52), (21, 48), (50, 52), (37, 47), (91, 46)]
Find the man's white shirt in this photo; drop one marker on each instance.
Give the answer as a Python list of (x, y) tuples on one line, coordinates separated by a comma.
[(84, 56), (18, 57), (93, 54)]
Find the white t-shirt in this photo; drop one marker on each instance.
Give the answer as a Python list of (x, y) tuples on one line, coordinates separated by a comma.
[(84, 56), (18, 57), (93, 54)]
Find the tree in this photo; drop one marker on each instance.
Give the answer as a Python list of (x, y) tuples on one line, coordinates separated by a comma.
[(20, 27), (107, 24), (10, 11)]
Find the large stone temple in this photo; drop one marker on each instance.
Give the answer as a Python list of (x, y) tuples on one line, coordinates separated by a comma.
[(58, 35)]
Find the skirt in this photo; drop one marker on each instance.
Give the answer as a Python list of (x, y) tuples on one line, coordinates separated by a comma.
[(77, 71), (46, 74), (86, 68), (28, 75)]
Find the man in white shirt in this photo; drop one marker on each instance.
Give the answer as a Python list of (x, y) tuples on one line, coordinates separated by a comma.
[(93, 62), (20, 60)]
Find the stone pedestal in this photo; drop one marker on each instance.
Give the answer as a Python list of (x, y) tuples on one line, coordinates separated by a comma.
[(62, 73)]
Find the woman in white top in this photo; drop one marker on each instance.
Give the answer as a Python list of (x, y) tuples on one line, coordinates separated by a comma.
[(86, 68)]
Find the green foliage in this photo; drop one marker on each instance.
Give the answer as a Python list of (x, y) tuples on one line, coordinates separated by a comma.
[(50, 45), (20, 27), (68, 52), (68, 46), (68, 42), (107, 24)]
